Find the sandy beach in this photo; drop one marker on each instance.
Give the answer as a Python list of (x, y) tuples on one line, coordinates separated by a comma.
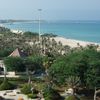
[(73, 43)]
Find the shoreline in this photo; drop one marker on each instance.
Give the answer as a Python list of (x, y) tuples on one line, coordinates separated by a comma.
[(73, 42), (64, 40)]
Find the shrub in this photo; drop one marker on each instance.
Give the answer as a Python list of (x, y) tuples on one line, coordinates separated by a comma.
[(7, 85), (87, 98), (26, 89), (51, 94), (0, 81), (72, 97), (32, 96)]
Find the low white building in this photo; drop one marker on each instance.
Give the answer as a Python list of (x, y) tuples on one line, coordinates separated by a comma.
[(17, 32), (2, 66), (15, 53)]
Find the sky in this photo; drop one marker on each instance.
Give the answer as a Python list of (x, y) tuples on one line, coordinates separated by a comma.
[(51, 9)]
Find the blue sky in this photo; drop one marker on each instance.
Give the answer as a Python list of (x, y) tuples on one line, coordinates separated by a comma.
[(51, 9)]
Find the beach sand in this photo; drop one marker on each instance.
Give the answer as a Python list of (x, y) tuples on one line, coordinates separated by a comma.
[(73, 43)]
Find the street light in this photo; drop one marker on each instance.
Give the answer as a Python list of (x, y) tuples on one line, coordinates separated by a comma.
[(40, 38), (39, 26)]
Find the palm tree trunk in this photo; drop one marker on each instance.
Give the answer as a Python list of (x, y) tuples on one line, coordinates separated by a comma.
[(5, 73), (28, 74), (95, 94)]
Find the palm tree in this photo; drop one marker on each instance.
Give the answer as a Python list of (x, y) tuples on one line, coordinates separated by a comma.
[(67, 49)]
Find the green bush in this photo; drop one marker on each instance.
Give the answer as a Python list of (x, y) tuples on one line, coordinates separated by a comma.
[(72, 97), (32, 96), (26, 89), (86, 98), (7, 85), (51, 94), (0, 81)]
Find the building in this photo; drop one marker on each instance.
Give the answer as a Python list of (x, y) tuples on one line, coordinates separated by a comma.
[(16, 53), (2, 66)]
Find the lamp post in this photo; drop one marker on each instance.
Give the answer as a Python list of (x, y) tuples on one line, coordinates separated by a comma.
[(40, 41)]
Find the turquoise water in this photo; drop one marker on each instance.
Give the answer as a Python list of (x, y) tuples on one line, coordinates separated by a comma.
[(81, 30)]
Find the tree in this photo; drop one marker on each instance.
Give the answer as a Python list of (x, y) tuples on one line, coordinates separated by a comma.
[(14, 64), (37, 62), (5, 52), (33, 64), (93, 74), (48, 61), (51, 94), (93, 71), (61, 72), (79, 67)]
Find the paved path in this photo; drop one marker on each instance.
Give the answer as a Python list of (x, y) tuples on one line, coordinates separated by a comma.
[(11, 95), (15, 76)]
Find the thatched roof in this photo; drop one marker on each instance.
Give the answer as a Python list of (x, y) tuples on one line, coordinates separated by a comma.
[(18, 53)]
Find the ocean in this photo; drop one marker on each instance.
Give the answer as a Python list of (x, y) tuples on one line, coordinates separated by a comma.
[(80, 30)]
